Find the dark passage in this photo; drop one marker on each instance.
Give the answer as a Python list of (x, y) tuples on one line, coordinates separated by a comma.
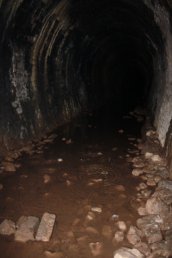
[(85, 114)]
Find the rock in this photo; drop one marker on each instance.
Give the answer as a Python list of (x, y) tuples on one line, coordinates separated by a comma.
[(107, 232), (1, 187), (156, 206), (90, 216), (156, 158), (50, 254), (134, 235), (157, 179), (150, 227), (128, 253), (60, 160), (148, 155), (47, 179), (142, 211), (167, 184), (121, 225), (151, 182), (26, 227), (118, 237), (142, 186), (7, 227), (96, 209), (9, 167), (46, 227), (143, 248), (146, 193), (164, 195), (96, 248)]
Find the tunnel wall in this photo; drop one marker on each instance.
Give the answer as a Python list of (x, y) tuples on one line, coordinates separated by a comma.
[(43, 82)]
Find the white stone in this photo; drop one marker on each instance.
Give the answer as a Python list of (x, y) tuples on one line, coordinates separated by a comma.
[(137, 172), (46, 227), (118, 237), (148, 155), (134, 235), (60, 160), (128, 253), (7, 227), (26, 227), (121, 225), (156, 158), (96, 209), (156, 206)]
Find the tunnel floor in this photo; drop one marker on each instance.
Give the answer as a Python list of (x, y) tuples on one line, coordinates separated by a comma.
[(83, 177)]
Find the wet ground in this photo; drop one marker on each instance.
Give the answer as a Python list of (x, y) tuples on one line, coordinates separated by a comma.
[(84, 178)]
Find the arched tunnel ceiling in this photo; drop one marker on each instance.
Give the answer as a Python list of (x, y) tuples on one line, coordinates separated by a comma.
[(53, 56)]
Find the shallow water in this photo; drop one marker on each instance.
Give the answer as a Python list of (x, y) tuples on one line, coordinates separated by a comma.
[(94, 172)]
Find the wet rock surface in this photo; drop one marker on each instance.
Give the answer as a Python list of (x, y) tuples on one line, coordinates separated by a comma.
[(103, 201)]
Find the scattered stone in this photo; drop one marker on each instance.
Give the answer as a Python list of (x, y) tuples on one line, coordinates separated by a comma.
[(134, 235), (150, 227), (107, 232), (114, 149), (142, 211), (96, 248), (128, 253), (121, 225), (96, 209), (115, 217), (151, 182), (60, 160), (167, 184), (157, 179), (26, 227), (137, 172), (7, 227), (156, 206), (46, 227), (99, 154), (118, 237), (148, 155), (90, 216), (47, 179), (143, 248), (156, 158), (50, 254)]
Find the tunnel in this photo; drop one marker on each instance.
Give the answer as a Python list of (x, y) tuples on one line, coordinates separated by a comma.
[(63, 60)]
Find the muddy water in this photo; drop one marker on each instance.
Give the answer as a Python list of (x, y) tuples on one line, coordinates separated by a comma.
[(93, 172)]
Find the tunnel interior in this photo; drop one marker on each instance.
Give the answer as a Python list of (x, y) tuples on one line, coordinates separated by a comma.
[(60, 59), (85, 128)]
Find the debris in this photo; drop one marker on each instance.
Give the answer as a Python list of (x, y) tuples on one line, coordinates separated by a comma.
[(121, 225), (7, 227), (47, 179), (26, 227), (118, 237), (96, 248), (46, 227), (96, 209), (60, 160), (128, 253)]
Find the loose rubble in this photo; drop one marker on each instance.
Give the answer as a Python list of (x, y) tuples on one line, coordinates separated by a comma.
[(29, 228)]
